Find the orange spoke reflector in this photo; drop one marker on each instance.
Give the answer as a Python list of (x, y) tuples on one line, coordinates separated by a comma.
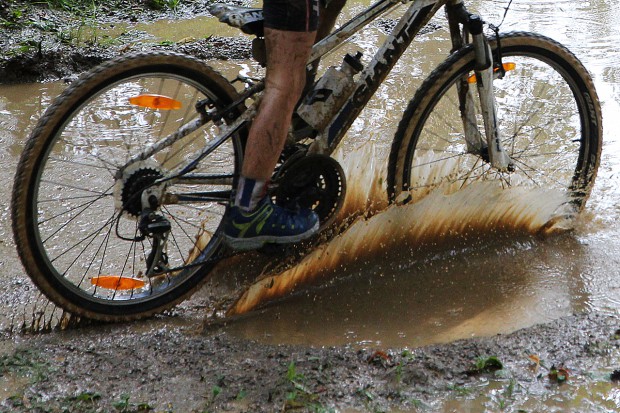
[(507, 67), (115, 282), (155, 102)]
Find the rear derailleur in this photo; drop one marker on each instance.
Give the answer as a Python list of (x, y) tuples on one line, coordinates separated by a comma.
[(155, 227)]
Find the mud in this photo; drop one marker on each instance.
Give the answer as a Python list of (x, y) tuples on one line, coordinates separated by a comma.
[(195, 370), (176, 363), (50, 44)]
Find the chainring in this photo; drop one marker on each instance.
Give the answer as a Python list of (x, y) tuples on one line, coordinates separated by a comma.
[(313, 181)]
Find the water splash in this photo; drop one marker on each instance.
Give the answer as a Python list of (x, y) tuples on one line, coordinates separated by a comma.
[(445, 213)]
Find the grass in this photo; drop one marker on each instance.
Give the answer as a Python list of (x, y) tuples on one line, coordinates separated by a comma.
[(124, 406), (14, 14), (85, 402), (26, 363), (79, 29), (488, 364), (70, 5), (163, 4), (298, 394), (30, 364), (86, 5)]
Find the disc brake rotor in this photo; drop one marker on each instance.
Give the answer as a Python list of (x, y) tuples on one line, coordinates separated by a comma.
[(313, 181)]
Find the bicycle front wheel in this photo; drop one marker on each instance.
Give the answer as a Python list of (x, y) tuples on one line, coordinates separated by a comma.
[(548, 114), (77, 209)]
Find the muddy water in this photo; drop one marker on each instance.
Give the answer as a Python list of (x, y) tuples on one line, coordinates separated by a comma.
[(496, 285), (407, 298), (163, 30)]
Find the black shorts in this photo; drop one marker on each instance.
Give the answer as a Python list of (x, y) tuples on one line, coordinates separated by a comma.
[(291, 15)]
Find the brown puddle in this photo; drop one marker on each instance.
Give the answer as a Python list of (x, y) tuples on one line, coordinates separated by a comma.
[(376, 279), (505, 279), (452, 265), (444, 214)]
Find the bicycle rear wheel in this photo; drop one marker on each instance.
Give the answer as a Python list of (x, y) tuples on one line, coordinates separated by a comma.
[(548, 114), (76, 217)]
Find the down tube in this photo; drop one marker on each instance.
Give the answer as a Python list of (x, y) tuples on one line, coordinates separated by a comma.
[(381, 65)]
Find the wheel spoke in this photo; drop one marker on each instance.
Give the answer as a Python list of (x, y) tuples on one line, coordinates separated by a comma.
[(542, 122), (88, 209)]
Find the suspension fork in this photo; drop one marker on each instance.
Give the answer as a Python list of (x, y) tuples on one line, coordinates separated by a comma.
[(490, 147)]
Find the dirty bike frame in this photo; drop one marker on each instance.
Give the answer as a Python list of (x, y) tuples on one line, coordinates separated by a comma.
[(409, 25)]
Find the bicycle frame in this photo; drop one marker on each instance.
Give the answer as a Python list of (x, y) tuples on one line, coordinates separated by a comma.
[(409, 25), (412, 21)]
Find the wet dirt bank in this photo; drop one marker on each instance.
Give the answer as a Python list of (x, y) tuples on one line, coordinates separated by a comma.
[(156, 365), (39, 43), (115, 368)]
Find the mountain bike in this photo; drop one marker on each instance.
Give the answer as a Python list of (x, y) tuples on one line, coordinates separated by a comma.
[(121, 189)]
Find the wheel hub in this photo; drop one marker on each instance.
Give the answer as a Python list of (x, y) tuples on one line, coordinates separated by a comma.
[(133, 183)]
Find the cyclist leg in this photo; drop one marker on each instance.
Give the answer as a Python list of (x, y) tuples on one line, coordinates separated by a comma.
[(283, 85), (254, 220)]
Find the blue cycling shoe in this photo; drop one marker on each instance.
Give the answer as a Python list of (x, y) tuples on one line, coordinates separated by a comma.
[(268, 224)]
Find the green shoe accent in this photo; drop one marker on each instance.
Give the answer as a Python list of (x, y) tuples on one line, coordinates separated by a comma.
[(258, 218), (268, 223)]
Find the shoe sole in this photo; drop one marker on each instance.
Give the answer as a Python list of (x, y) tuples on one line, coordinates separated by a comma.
[(254, 243)]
